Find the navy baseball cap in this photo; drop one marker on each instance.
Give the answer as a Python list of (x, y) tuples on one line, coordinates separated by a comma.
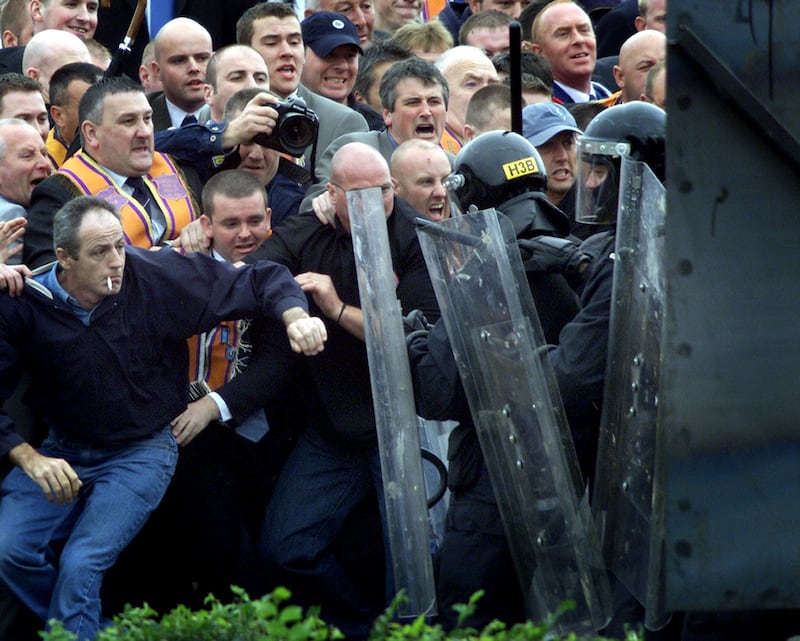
[(323, 31), (543, 120)]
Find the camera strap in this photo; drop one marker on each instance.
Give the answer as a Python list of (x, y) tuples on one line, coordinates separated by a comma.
[(294, 172)]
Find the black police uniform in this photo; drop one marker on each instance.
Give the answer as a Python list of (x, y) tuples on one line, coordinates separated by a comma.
[(474, 553)]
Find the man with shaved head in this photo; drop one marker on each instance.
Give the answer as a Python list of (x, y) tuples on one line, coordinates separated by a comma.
[(335, 465), (642, 51), (181, 52), (49, 50), (489, 109), (418, 171)]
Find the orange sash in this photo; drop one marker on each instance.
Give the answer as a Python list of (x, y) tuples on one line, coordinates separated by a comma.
[(432, 8), (214, 355), (164, 183), (449, 142), (56, 149)]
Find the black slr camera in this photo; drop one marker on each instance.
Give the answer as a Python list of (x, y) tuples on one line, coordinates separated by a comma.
[(295, 130)]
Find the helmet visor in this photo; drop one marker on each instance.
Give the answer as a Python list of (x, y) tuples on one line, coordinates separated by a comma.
[(598, 180)]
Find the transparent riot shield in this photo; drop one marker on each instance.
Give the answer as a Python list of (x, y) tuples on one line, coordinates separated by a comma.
[(514, 400), (632, 536), (393, 401)]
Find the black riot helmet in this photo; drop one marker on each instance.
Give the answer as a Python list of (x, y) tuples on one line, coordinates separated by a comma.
[(501, 169), (636, 130)]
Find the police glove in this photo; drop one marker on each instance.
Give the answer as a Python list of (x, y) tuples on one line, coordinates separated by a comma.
[(549, 254)]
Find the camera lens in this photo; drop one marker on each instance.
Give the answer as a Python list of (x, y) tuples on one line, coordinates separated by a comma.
[(296, 132)]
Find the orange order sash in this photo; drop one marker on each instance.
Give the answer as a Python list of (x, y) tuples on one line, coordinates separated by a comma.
[(214, 355), (449, 142), (432, 8), (56, 149), (163, 182), (611, 100)]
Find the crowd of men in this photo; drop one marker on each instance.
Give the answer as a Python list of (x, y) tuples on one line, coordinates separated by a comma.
[(130, 186)]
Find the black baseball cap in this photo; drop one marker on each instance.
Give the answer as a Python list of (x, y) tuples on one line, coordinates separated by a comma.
[(323, 31)]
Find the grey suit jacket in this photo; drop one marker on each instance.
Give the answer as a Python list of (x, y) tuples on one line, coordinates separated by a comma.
[(335, 120)]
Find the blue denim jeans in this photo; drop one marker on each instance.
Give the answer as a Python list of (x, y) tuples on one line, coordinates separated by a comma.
[(121, 487), (318, 489)]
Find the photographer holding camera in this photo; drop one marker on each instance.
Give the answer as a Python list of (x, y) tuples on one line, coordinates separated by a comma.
[(260, 158), (211, 146)]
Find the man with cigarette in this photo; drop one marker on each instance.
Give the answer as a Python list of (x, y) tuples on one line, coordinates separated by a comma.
[(104, 332)]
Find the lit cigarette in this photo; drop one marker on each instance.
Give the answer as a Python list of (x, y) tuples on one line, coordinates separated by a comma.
[(108, 282)]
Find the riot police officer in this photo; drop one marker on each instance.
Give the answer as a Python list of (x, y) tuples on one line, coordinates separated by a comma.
[(636, 130), (504, 171)]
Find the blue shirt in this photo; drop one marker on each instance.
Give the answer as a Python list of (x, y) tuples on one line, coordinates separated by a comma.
[(50, 280)]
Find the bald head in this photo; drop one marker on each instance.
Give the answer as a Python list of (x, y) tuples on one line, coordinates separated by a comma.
[(179, 30), (181, 50), (637, 56), (419, 169), (47, 51), (358, 166), (466, 70)]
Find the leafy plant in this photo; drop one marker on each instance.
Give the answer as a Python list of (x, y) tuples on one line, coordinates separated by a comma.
[(242, 620), (271, 618)]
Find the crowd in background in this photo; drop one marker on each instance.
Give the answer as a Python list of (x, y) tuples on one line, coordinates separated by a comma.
[(278, 479)]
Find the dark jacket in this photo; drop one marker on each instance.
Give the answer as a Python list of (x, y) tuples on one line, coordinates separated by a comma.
[(453, 16), (124, 375), (341, 372)]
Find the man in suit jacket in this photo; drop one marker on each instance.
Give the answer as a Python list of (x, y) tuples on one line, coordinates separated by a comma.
[(155, 197), (572, 73), (181, 54), (218, 16), (273, 30), (414, 95)]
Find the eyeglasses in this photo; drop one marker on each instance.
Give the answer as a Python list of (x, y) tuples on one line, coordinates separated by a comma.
[(385, 189)]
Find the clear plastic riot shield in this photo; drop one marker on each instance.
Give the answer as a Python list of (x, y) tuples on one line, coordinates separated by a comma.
[(393, 401), (514, 400), (632, 536)]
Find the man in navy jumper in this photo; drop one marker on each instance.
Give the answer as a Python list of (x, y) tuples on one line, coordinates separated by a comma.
[(104, 332)]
